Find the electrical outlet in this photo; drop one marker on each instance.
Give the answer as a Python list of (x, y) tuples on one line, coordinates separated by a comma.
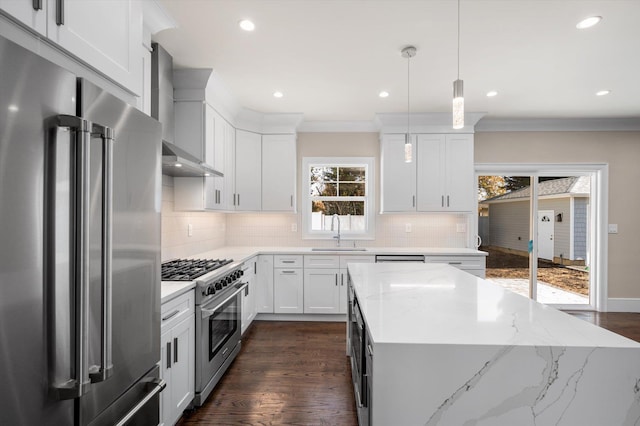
[(613, 228), (461, 227), (189, 230), (407, 227), (294, 227)]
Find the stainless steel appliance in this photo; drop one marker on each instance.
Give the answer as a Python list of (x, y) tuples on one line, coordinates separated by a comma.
[(218, 315), (361, 353), (406, 258), (79, 250)]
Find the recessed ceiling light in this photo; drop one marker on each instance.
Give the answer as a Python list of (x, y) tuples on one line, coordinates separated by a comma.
[(177, 165), (278, 94), (247, 25), (207, 174), (603, 92), (383, 94), (13, 108), (588, 22), (492, 93)]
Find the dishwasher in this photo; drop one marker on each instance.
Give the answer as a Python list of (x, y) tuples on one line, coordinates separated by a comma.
[(405, 258)]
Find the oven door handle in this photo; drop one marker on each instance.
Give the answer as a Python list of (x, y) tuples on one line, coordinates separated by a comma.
[(207, 312)]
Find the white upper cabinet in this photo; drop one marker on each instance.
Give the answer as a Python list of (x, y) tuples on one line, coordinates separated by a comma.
[(247, 195), (398, 177), (32, 13), (278, 172), (445, 173), (439, 179), (105, 34)]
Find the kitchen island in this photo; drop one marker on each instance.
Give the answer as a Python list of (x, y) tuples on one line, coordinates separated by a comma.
[(439, 346)]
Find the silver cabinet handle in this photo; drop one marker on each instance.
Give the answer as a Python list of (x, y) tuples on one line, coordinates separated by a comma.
[(454, 263), (69, 376), (37, 4), (168, 354), (157, 386), (171, 315), (288, 261), (288, 272), (103, 371), (447, 201), (341, 279), (59, 12), (238, 199), (234, 199), (336, 280), (414, 201), (175, 350), (442, 201), (292, 201)]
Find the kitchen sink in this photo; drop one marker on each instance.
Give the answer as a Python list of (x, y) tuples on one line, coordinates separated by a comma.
[(338, 249)]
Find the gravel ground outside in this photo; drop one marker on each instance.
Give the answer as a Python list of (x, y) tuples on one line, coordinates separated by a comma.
[(507, 265)]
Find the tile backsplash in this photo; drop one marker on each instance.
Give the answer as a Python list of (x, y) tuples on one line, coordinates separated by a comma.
[(211, 230)]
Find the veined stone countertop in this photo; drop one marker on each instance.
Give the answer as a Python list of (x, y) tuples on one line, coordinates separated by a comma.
[(439, 304), (452, 349)]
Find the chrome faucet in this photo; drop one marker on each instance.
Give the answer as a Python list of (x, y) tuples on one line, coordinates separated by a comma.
[(337, 237)]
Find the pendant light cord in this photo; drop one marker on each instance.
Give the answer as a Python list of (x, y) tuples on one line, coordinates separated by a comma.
[(408, 95), (458, 39)]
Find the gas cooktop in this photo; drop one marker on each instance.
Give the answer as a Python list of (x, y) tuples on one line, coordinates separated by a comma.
[(190, 269)]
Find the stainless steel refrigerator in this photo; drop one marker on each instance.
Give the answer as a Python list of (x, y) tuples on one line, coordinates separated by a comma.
[(79, 250)]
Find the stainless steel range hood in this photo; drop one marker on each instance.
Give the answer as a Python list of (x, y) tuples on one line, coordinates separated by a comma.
[(179, 163), (175, 161)]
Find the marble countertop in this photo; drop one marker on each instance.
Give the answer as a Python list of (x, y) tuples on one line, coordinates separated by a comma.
[(439, 304), (171, 289)]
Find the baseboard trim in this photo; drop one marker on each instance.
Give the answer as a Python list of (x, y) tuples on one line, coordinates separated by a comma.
[(623, 305), (302, 317)]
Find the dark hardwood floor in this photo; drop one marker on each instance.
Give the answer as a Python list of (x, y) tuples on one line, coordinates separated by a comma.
[(296, 373), (287, 373)]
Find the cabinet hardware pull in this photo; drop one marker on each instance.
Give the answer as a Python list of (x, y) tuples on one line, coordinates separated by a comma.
[(341, 279), (288, 261), (455, 263), (234, 199), (171, 315), (59, 12), (255, 268), (414, 201), (288, 272), (168, 354), (37, 4), (447, 201), (442, 202), (336, 280), (292, 201), (238, 199), (175, 350)]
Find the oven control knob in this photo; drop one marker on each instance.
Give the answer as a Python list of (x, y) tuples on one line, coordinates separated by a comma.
[(229, 280), (219, 285), (240, 273), (211, 290)]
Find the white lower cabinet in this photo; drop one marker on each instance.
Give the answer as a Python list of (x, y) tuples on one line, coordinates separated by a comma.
[(264, 284), (288, 290), (249, 308), (177, 357)]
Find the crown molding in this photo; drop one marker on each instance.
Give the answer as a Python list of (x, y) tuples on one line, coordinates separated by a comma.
[(156, 18), (582, 124), (364, 126), (427, 122), (258, 122)]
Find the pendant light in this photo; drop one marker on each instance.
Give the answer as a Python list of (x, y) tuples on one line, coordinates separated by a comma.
[(408, 52), (458, 89)]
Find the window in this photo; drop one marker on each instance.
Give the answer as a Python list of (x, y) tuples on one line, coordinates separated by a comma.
[(342, 187)]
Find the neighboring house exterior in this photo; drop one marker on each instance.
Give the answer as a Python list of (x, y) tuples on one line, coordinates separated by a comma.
[(563, 220)]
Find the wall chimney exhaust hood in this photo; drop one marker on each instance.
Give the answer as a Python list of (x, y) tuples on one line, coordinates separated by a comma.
[(175, 161)]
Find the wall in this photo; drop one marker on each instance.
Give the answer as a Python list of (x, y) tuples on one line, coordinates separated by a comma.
[(621, 150), (209, 228), (269, 229)]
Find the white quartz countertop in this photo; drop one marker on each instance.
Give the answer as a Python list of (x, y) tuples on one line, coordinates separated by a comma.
[(439, 304), (171, 289)]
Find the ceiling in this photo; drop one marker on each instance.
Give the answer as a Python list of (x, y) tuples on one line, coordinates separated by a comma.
[(331, 58)]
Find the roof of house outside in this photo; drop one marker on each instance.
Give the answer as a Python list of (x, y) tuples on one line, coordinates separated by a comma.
[(573, 185)]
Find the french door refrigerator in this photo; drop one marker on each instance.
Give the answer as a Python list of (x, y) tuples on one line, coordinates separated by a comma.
[(79, 250)]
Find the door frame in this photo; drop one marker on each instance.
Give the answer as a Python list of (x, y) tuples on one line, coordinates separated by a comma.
[(598, 211)]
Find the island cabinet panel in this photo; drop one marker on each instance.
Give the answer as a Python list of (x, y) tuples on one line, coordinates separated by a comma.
[(446, 348)]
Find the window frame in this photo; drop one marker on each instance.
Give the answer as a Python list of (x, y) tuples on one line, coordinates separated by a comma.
[(369, 197)]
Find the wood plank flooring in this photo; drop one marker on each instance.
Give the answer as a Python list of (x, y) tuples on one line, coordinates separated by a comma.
[(287, 373), (296, 373)]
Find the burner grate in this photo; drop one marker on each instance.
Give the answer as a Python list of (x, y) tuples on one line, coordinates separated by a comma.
[(190, 269)]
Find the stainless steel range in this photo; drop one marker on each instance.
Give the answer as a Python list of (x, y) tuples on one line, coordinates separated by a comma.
[(218, 315)]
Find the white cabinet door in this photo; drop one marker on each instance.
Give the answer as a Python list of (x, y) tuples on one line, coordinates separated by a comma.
[(106, 34), (288, 291), (264, 284), (27, 12), (278, 172), (459, 179), (321, 291), (398, 177), (431, 171), (445, 173), (182, 366), (248, 166)]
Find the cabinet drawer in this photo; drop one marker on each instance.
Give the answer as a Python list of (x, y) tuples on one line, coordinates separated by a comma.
[(176, 310), (460, 262), (321, 261), (344, 260), (287, 261)]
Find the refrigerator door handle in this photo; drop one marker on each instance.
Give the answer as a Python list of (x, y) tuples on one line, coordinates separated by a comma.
[(69, 378), (100, 373), (156, 386)]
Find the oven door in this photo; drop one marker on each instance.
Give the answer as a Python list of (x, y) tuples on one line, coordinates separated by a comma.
[(219, 334)]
